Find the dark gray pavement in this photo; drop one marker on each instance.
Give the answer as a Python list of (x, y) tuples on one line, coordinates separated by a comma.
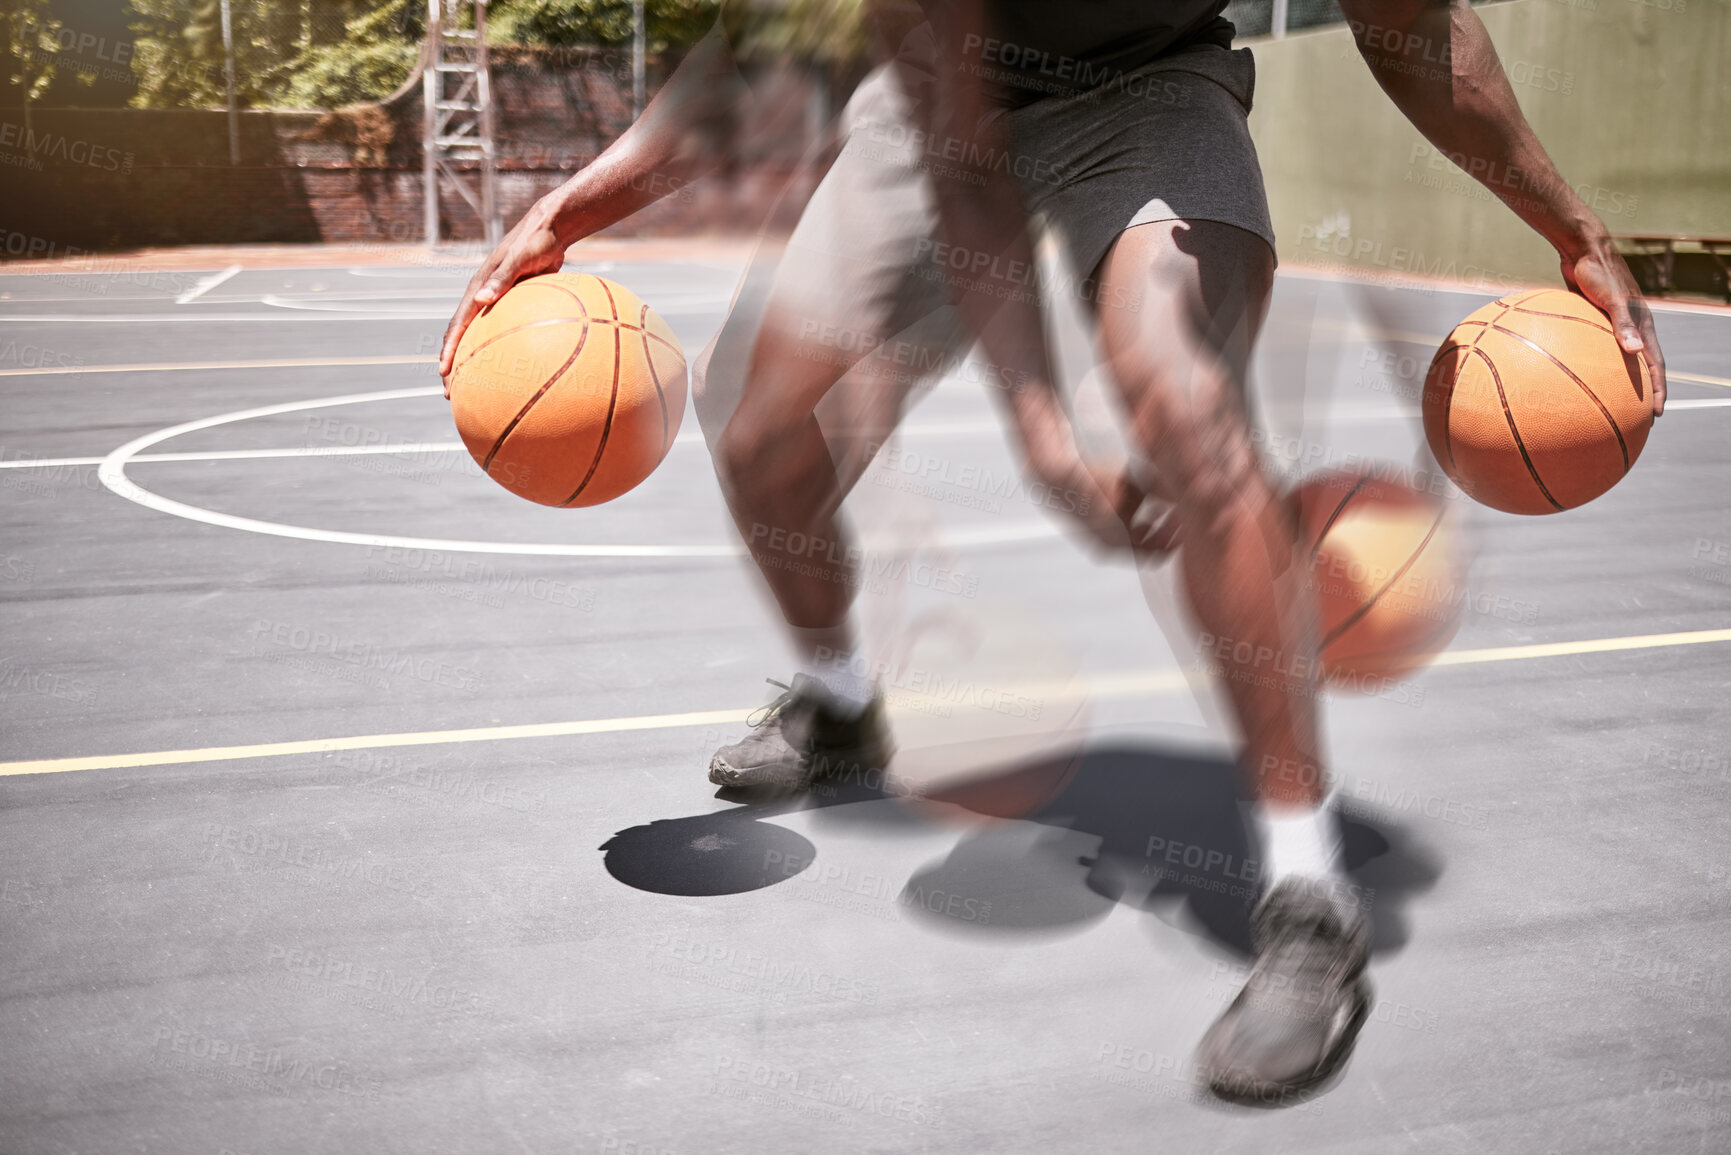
[(569, 944)]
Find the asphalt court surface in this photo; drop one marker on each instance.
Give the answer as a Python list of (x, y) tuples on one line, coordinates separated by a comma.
[(466, 937)]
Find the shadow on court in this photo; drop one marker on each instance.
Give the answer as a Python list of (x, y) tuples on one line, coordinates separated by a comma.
[(1134, 824)]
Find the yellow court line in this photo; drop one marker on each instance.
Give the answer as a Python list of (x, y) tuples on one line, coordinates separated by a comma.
[(184, 366), (1697, 379), (1108, 685), (1563, 649), (370, 741)]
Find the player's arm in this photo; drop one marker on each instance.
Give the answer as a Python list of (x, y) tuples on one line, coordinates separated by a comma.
[(983, 226), (1436, 62), (673, 143)]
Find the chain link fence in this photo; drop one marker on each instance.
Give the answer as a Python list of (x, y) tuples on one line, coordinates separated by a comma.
[(330, 53)]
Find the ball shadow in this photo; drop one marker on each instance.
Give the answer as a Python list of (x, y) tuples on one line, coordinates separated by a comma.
[(727, 852)]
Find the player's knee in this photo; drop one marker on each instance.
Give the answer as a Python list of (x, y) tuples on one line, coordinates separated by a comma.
[(750, 455), (1204, 456), (736, 449)]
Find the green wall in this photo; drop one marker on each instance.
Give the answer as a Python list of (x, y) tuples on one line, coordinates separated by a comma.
[(1632, 98)]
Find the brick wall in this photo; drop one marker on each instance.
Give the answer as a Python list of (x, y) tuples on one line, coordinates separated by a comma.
[(116, 178)]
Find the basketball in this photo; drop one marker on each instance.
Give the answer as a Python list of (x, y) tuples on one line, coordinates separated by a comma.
[(1385, 572), (568, 390), (1531, 406)]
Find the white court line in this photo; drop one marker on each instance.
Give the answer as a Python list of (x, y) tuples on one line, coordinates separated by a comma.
[(287, 310), (166, 318), (185, 366), (690, 437), (112, 473), (206, 285), (409, 272), (247, 454), (666, 299), (1118, 684), (311, 295), (414, 272), (336, 304)]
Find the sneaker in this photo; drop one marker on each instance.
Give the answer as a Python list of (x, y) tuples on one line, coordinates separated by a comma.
[(800, 737), (1296, 1019)]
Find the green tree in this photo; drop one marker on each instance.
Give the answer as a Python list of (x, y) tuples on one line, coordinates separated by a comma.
[(302, 53), (30, 32), (374, 55), (824, 30), (669, 25)]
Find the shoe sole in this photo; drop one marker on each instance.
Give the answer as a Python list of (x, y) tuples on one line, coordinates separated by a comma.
[(722, 774), (828, 765), (1276, 1095)]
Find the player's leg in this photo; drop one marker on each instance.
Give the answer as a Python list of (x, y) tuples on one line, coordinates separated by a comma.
[(798, 390), (1179, 353), (782, 485), (802, 434)]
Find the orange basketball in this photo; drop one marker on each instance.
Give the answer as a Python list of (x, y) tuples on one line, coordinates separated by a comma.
[(1385, 571), (1532, 406), (568, 390)]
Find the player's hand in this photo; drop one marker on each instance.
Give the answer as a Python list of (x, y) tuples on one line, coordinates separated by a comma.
[(1145, 509), (1599, 274), (1117, 510), (531, 248)]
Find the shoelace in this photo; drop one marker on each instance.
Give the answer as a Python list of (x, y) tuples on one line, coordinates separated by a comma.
[(763, 714), (1311, 951)]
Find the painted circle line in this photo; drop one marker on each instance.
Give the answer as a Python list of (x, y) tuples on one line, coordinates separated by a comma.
[(112, 473)]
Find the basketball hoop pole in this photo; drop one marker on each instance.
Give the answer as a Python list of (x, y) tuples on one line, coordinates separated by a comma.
[(639, 34), (228, 83), (458, 125)]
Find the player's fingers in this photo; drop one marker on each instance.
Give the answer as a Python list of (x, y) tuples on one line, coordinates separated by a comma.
[(485, 287), (491, 291), (1126, 496), (1632, 321), (1650, 350), (466, 310), (465, 313), (1161, 531), (1169, 535), (1623, 324)]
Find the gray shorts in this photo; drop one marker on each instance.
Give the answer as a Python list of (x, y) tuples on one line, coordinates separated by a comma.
[(862, 268), (1170, 141)]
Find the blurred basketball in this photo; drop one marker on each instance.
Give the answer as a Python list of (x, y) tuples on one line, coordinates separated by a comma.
[(1532, 406), (568, 390), (1385, 571), (989, 709)]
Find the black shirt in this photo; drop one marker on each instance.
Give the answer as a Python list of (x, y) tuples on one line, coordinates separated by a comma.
[(1031, 49)]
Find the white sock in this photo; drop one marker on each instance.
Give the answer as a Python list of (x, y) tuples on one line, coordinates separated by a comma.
[(845, 675), (1297, 841)]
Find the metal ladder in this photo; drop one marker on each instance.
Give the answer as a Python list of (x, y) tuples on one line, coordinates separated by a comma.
[(458, 123)]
